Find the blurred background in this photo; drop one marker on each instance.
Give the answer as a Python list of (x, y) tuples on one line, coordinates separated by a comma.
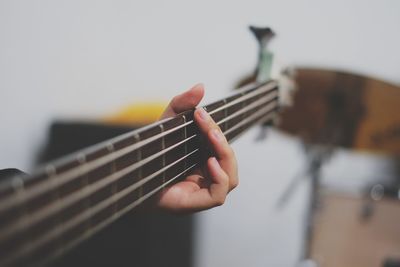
[(86, 60)]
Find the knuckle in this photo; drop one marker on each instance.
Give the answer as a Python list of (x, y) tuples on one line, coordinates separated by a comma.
[(216, 127), (235, 183), (210, 125), (214, 123), (225, 179), (174, 100), (229, 152), (219, 201)]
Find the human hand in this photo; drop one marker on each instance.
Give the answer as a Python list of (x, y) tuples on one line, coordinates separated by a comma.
[(208, 186)]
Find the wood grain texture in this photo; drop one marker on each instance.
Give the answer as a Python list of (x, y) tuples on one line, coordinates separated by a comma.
[(345, 109)]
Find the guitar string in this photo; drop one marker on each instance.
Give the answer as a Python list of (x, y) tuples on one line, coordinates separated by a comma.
[(145, 162), (137, 145), (245, 92), (73, 173), (65, 202), (58, 205), (57, 231), (58, 182), (264, 115), (109, 220), (80, 194), (135, 186), (93, 230)]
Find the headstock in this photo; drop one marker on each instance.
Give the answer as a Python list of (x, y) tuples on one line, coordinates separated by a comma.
[(269, 67)]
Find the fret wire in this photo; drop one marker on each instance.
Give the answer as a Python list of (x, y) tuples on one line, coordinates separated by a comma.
[(106, 222), (163, 185), (51, 173), (134, 204), (4, 185), (139, 159), (185, 148), (163, 156), (268, 108), (66, 201), (100, 184), (18, 185), (111, 149), (81, 217), (225, 124), (258, 91), (258, 102), (70, 199), (65, 177), (185, 128), (55, 195), (243, 106), (269, 115), (81, 159)]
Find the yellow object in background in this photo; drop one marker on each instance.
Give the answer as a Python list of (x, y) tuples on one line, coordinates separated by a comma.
[(138, 114)]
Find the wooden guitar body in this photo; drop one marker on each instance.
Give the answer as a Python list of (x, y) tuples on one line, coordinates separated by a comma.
[(345, 109)]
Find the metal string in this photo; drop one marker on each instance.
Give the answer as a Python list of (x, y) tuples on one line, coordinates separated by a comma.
[(22, 223), (120, 194), (76, 172)]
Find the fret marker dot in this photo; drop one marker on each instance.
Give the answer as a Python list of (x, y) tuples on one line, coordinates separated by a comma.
[(110, 147), (50, 170), (81, 158), (17, 183)]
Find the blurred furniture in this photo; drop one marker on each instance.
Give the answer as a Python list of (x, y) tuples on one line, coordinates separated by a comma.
[(141, 238), (336, 109), (343, 237)]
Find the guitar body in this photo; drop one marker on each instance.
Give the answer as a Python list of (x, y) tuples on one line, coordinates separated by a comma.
[(345, 109)]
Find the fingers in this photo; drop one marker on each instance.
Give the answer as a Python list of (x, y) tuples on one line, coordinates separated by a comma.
[(212, 196), (189, 196), (185, 101), (220, 188), (223, 151), (198, 192)]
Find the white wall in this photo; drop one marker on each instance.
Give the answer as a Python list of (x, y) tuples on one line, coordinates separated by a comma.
[(87, 58)]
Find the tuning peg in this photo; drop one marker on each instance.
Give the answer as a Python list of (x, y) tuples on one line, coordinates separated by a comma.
[(263, 35), (265, 57)]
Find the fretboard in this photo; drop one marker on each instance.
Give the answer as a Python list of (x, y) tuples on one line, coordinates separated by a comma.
[(65, 202)]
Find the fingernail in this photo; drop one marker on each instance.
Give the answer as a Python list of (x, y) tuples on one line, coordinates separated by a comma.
[(215, 162), (203, 114), (195, 87), (198, 85), (217, 134)]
